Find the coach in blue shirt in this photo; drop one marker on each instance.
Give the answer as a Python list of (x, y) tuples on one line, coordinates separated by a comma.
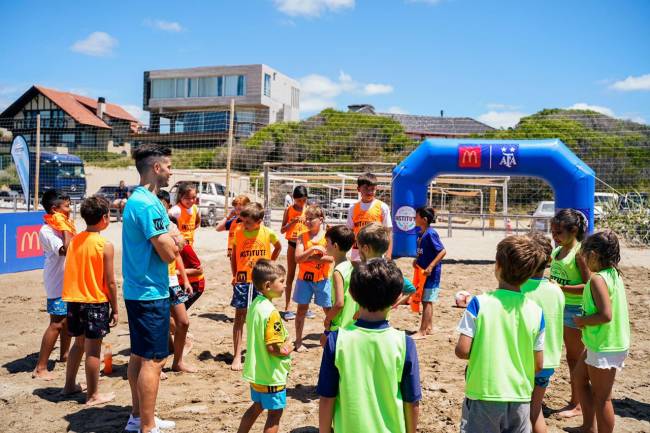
[(147, 249)]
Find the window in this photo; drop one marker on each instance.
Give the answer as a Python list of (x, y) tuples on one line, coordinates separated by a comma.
[(208, 86), (163, 88), (165, 125), (192, 87), (267, 85), (230, 85), (180, 87), (241, 85), (214, 121), (219, 86), (295, 97)]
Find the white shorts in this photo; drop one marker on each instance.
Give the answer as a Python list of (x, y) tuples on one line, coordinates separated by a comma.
[(606, 360)]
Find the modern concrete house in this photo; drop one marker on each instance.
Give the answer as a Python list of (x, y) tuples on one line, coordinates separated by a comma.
[(188, 105)]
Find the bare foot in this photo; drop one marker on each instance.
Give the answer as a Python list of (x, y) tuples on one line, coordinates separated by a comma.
[(163, 375), (300, 348), (100, 399), (75, 390), (187, 347), (236, 365), (43, 374), (569, 411), (183, 368), (420, 335)]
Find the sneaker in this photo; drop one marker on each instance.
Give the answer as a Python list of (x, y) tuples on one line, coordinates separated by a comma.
[(310, 314), (134, 424), (288, 315), (164, 424)]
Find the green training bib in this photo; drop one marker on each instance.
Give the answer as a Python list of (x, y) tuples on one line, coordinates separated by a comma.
[(566, 273), (260, 367), (615, 335), (501, 362), (370, 364), (344, 317), (550, 297)]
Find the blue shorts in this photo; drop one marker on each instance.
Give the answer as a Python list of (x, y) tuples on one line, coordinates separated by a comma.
[(571, 311), (543, 378), (270, 400), (430, 294), (321, 291), (57, 307), (148, 327), (177, 296), (240, 295)]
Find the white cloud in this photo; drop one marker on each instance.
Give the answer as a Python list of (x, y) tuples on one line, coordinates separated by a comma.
[(319, 91), (96, 44), (311, 8), (506, 107), (377, 89), (501, 119), (166, 26), (137, 112), (597, 108), (395, 110), (637, 119), (630, 84)]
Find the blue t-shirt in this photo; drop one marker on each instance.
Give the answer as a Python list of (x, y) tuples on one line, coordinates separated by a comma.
[(145, 273), (429, 246), (328, 379)]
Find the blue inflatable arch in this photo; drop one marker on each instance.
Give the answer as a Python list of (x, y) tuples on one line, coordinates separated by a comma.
[(571, 179)]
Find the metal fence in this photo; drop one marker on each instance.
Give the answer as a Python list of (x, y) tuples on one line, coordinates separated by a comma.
[(235, 150)]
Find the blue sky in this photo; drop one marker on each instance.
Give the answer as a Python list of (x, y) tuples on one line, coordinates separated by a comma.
[(491, 60)]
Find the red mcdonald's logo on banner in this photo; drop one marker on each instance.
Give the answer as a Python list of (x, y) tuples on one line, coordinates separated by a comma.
[(27, 242), (469, 156)]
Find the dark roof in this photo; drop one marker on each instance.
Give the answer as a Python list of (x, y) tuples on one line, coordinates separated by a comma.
[(434, 125)]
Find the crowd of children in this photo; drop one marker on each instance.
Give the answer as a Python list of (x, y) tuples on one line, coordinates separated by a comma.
[(369, 380)]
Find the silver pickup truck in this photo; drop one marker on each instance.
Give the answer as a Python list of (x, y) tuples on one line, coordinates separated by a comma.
[(211, 199)]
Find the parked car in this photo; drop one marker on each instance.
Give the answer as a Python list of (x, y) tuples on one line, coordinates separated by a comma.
[(605, 202), (634, 201), (108, 192), (340, 206), (542, 216), (211, 198)]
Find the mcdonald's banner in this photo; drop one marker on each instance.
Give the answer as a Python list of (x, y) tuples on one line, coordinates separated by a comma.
[(21, 247)]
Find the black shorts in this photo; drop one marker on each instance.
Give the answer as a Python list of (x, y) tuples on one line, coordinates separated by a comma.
[(89, 320), (148, 327), (292, 243)]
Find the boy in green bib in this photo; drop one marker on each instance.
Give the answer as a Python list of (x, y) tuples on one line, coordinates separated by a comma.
[(339, 242), (369, 381), (605, 331), (502, 336), (267, 349), (549, 296), (373, 241)]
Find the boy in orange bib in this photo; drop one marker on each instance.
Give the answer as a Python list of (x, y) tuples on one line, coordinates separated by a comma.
[(89, 288), (368, 210), (253, 241)]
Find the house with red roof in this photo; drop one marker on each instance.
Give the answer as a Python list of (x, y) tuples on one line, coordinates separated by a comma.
[(68, 120)]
